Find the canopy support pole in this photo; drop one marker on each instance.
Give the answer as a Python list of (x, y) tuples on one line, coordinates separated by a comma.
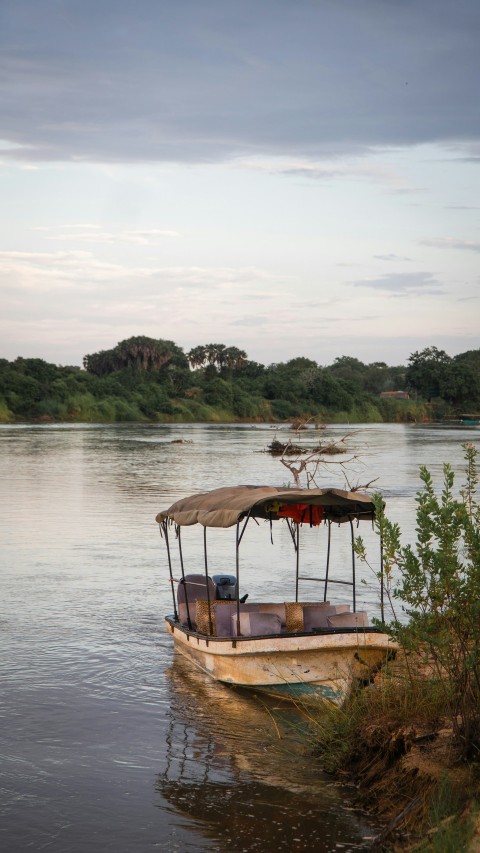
[(292, 533), (328, 559), (382, 613), (243, 528), (237, 569), (297, 561), (169, 557), (189, 621), (353, 566), (210, 626)]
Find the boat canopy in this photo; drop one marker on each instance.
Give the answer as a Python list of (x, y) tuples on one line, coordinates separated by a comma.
[(227, 506)]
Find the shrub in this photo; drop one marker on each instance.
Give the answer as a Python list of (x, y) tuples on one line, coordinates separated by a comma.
[(439, 590)]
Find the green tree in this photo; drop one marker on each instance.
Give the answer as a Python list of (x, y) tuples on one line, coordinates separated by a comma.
[(197, 356), (137, 354), (329, 391), (219, 393), (428, 372), (349, 368), (219, 356)]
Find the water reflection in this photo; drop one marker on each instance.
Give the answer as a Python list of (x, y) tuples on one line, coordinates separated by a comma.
[(242, 769)]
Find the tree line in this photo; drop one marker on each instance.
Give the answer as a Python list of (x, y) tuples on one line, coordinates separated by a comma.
[(147, 379)]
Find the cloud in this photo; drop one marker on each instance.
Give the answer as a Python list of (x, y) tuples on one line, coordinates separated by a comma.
[(345, 165), (391, 257), (48, 271), (93, 234), (210, 81), (256, 320), (404, 284), (326, 171), (452, 243)]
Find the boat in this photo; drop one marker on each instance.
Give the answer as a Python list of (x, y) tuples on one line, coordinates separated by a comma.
[(292, 648), (469, 419)]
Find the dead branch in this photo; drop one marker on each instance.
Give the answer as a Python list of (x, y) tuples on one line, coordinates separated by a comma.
[(311, 461)]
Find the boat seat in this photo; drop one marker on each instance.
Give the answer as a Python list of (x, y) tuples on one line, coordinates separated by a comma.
[(256, 623), (192, 590), (224, 610), (349, 620), (316, 616), (294, 614)]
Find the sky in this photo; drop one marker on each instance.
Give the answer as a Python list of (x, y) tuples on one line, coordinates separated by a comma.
[(291, 177)]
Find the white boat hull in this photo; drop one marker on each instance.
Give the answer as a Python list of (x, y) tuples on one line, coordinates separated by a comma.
[(323, 665)]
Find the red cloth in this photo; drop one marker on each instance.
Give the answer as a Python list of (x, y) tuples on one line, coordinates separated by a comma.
[(302, 513)]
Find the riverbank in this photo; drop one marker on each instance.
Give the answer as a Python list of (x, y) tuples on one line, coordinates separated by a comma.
[(394, 745), (416, 787), (202, 414)]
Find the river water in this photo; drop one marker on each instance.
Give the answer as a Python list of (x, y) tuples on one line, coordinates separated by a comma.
[(108, 741)]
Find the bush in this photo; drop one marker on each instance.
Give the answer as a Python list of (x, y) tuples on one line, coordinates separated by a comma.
[(439, 590), (6, 415), (219, 393)]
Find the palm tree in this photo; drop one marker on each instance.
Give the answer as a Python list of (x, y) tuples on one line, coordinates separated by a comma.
[(197, 356), (235, 358), (137, 354)]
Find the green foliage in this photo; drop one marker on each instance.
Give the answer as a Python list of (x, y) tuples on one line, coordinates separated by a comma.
[(451, 827), (436, 376), (402, 411), (6, 415), (137, 353), (218, 355), (219, 393), (245, 406), (153, 379), (439, 590), (283, 410)]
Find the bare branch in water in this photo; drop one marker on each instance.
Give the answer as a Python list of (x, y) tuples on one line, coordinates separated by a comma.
[(311, 462)]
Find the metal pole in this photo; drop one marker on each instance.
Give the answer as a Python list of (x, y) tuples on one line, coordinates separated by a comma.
[(381, 581), (210, 626), (328, 558), (353, 567), (297, 548), (189, 621), (169, 556), (244, 528), (237, 567)]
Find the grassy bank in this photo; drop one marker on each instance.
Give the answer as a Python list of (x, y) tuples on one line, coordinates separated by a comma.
[(86, 408), (395, 743)]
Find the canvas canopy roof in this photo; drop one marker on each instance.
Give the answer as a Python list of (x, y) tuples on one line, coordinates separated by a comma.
[(225, 507)]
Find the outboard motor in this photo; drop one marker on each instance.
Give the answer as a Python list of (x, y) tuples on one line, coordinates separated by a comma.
[(225, 587)]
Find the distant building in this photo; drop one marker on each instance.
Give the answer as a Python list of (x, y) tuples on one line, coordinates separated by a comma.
[(395, 395)]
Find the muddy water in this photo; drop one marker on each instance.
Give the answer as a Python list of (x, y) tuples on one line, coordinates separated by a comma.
[(108, 742)]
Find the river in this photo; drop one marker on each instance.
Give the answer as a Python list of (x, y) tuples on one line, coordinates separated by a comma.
[(108, 741)]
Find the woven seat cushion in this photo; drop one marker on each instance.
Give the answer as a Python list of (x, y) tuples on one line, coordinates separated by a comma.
[(294, 614)]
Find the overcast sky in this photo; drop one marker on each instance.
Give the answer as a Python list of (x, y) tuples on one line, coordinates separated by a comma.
[(292, 177)]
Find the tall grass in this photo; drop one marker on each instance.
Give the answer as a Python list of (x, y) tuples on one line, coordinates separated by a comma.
[(380, 720)]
